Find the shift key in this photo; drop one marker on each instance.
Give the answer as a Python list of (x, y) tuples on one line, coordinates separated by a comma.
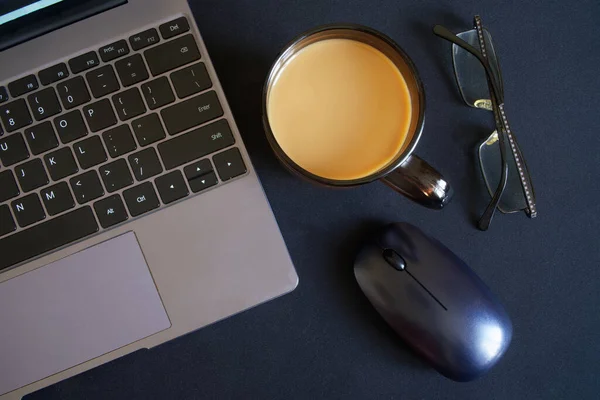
[(192, 112), (195, 144)]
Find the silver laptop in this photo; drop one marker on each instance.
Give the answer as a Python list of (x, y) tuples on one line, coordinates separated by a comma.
[(130, 213)]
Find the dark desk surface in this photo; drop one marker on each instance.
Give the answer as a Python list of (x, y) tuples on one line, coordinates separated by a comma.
[(324, 339)]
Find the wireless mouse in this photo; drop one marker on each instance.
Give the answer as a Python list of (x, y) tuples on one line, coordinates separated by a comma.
[(434, 301)]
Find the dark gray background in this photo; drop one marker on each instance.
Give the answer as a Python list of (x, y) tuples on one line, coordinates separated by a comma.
[(324, 340)]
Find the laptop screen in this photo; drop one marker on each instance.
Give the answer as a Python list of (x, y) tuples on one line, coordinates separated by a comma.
[(11, 10), (22, 20)]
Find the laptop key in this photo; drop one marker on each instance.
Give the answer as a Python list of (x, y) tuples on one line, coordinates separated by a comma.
[(86, 187), (145, 164), (115, 175), (44, 104), (15, 115), (171, 55), (129, 104), (171, 187), (131, 70), (41, 138), (24, 85), (60, 163), (57, 198), (99, 115), (114, 50), (110, 211), (8, 186), (7, 223), (73, 92), (141, 199), (70, 126), (102, 81), (158, 93), (148, 129), (32, 175), (13, 149), (53, 74), (144, 39), (192, 112), (3, 94), (83, 62), (90, 152), (55, 232), (229, 164), (195, 144), (28, 210), (119, 141), (191, 80), (174, 28)]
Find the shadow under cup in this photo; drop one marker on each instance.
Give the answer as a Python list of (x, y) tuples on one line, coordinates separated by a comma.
[(405, 173)]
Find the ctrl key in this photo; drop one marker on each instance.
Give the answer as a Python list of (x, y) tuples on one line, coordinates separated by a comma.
[(110, 211)]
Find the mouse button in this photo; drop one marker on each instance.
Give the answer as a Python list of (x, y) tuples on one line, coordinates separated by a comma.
[(394, 259), (407, 240)]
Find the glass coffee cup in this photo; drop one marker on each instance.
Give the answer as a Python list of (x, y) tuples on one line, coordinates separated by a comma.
[(403, 171)]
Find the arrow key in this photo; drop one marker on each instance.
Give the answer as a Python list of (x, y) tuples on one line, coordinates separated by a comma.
[(203, 182), (171, 187), (229, 164), (86, 187)]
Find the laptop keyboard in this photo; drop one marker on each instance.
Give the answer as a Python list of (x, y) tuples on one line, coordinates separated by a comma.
[(108, 136)]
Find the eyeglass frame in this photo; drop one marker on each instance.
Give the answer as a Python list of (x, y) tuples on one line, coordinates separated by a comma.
[(502, 127)]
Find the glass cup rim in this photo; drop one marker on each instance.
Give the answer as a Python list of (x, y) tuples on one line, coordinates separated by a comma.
[(291, 48)]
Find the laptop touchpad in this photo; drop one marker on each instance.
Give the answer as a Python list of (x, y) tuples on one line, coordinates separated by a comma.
[(76, 309)]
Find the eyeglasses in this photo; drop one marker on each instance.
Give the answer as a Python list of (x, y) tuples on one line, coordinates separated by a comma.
[(479, 80)]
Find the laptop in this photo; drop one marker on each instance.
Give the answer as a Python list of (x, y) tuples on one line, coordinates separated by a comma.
[(130, 213)]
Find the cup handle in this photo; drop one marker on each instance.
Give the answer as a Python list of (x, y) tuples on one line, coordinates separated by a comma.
[(420, 182)]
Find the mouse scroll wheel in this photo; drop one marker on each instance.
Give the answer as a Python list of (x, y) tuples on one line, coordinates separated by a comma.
[(394, 259)]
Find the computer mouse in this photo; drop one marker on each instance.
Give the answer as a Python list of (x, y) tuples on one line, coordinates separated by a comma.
[(434, 301)]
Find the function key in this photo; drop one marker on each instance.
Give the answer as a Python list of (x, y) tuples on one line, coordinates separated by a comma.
[(23, 85), (114, 50), (53, 74), (83, 62), (144, 39), (3, 94), (174, 28)]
